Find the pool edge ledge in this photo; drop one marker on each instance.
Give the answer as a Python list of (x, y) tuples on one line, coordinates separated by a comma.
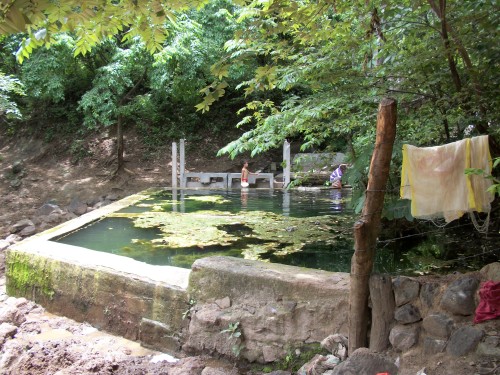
[(275, 308), (129, 305)]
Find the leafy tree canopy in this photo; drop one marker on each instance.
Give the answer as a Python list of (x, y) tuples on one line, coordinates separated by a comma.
[(334, 61), (92, 21), (321, 66)]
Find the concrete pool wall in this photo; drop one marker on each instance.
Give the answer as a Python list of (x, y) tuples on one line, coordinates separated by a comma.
[(274, 307)]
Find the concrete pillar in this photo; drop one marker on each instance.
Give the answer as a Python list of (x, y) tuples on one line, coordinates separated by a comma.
[(182, 163), (287, 167), (174, 164)]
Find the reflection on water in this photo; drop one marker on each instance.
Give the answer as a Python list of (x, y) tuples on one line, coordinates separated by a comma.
[(303, 228), (244, 198), (288, 203), (336, 200)]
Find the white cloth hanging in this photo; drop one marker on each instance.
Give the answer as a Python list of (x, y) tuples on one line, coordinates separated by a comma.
[(434, 179)]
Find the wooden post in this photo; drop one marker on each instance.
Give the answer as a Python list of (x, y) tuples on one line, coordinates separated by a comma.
[(366, 229), (383, 306)]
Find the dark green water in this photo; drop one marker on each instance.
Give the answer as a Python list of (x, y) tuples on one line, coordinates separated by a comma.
[(300, 214)]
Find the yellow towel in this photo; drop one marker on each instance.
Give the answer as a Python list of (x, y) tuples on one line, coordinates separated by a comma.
[(434, 179)]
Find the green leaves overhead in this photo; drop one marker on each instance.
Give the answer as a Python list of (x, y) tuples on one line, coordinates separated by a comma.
[(314, 70), (325, 65), (212, 93), (92, 21)]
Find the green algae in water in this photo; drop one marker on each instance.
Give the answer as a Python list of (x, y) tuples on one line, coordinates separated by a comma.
[(248, 225), (306, 229)]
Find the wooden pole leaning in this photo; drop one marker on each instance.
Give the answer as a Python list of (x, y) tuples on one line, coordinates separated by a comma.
[(366, 229)]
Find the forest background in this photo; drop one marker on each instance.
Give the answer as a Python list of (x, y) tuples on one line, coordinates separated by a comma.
[(250, 74)]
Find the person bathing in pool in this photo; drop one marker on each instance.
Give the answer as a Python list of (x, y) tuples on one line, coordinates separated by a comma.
[(244, 174), (336, 176)]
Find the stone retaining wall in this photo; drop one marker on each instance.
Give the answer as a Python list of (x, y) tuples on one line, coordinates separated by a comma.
[(437, 315), (273, 307), (112, 293)]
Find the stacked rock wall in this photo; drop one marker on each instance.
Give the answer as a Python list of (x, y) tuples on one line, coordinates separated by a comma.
[(438, 316)]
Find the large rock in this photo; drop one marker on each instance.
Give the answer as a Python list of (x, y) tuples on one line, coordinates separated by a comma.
[(459, 296), (319, 365), (337, 345), (464, 340), (48, 208), (20, 225), (17, 167), (365, 362), (13, 238), (428, 294), (407, 314), (433, 346), (77, 207), (28, 231), (7, 330), (405, 290), (491, 271), (403, 337), (490, 347), (209, 370), (438, 325), (12, 315)]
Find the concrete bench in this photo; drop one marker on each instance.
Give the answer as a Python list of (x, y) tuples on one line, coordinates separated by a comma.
[(260, 180), (205, 179)]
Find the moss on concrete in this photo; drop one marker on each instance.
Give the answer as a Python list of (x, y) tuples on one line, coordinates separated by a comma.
[(25, 273)]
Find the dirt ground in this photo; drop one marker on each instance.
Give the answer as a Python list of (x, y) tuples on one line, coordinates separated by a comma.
[(61, 346)]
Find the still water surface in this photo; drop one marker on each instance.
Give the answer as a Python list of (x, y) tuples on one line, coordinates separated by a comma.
[(309, 209)]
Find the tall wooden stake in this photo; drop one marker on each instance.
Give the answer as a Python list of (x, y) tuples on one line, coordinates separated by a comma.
[(366, 229)]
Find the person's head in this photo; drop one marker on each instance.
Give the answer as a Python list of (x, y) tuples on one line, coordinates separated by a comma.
[(343, 167), (245, 163)]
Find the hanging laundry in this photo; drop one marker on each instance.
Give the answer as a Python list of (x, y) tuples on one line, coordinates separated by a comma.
[(434, 179)]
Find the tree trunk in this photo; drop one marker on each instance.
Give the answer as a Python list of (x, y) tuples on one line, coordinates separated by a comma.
[(119, 126), (367, 227), (441, 13), (383, 305)]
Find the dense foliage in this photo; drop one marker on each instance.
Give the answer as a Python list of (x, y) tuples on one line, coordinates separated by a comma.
[(120, 83), (91, 21), (308, 71), (333, 62)]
